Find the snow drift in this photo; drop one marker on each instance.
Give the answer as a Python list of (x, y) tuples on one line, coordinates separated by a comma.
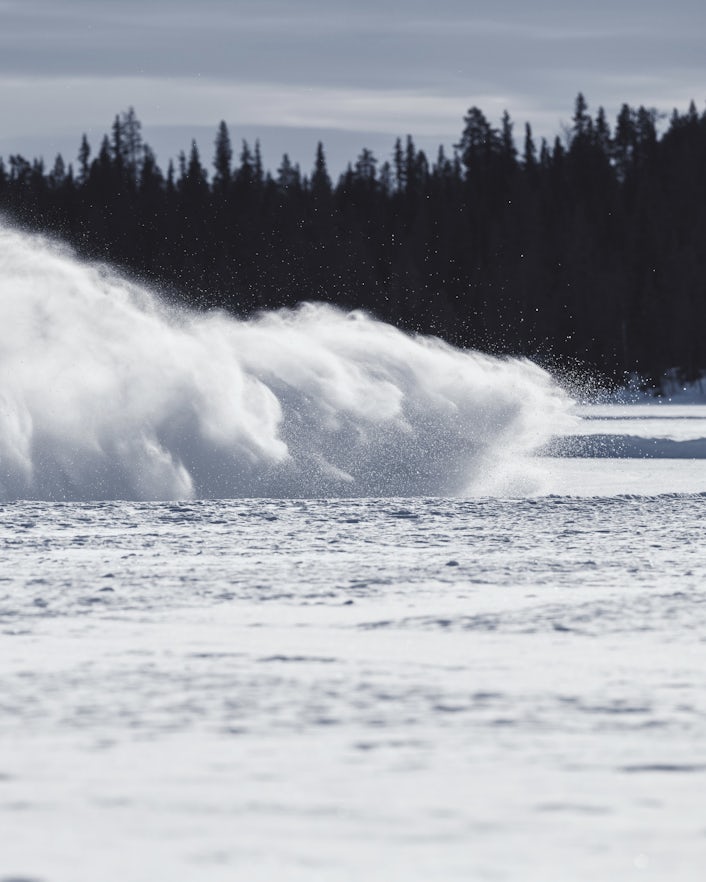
[(106, 392)]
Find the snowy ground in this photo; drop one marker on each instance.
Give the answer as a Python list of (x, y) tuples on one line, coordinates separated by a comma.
[(331, 690), (651, 447)]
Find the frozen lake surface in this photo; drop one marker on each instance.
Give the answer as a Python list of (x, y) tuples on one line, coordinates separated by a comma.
[(412, 689)]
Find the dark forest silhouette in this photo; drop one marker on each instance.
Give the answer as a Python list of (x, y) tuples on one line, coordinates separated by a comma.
[(591, 250)]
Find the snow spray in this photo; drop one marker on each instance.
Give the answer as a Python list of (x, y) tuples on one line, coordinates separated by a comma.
[(107, 392)]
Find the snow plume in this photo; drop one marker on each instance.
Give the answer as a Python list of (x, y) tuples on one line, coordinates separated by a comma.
[(105, 392)]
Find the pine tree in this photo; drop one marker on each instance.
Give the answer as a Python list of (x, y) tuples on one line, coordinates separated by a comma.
[(195, 178), (131, 143), (222, 159), (602, 137), (529, 156), (288, 175), (57, 176), (400, 168), (258, 171), (581, 120), (320, 180), (479, 143), (84, 156), (508, 142)]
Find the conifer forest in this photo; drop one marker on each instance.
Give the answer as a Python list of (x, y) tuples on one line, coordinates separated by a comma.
[(589, 251)]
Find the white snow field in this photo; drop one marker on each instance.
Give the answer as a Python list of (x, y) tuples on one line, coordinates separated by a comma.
[(453, 628), (646, 449)]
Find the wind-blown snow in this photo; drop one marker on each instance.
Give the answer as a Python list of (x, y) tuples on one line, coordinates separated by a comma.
[(105, 392)]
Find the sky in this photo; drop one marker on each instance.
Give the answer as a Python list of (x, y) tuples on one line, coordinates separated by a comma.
[(351, 74)]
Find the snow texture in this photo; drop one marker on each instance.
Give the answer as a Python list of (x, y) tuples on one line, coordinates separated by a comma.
[(353, 689)]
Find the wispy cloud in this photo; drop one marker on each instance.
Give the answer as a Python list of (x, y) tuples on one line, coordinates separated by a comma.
[(390, 67), (175, 101)]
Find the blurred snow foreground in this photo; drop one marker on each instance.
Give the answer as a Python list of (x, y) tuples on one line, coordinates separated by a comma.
[(107, 392)]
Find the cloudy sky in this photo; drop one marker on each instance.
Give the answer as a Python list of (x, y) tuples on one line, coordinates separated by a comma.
[(351, 73)]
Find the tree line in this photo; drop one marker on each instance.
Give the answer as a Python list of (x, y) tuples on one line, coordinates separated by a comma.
[(589, 250)]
